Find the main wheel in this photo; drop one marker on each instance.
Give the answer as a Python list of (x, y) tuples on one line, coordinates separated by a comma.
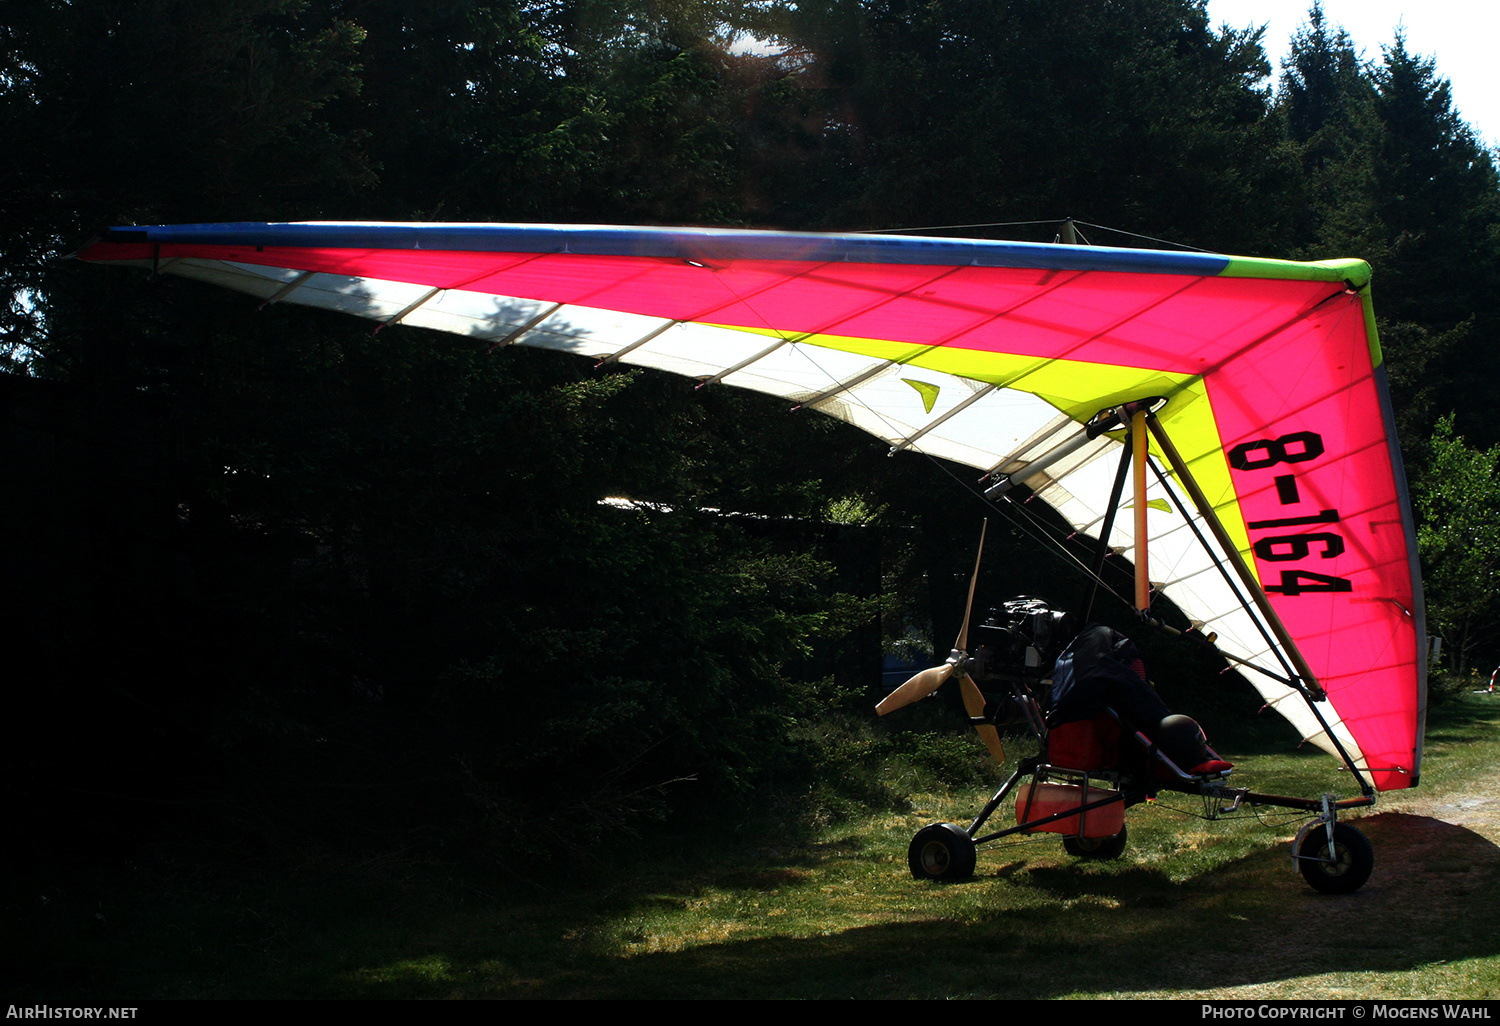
[(943, 851), (1111, 847), (1340, 870)]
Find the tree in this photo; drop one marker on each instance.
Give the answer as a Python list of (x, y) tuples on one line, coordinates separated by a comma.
[(1133, 114), (1327, 99), (1439, 194), (1439, 199), (1457, 498), (367, 579), (1390, 173)]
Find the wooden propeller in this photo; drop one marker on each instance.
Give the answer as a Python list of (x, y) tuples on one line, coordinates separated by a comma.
[(925, 682)]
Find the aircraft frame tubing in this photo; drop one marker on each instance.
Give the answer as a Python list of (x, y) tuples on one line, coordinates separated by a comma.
[(1038, 771)]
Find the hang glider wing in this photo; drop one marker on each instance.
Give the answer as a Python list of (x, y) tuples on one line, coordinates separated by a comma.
[(987, 354)]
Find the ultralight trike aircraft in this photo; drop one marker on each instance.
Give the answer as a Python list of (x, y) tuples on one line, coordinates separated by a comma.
[(1247, 399)]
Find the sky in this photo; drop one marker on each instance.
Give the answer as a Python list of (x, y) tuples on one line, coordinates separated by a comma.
[(1459, 34)]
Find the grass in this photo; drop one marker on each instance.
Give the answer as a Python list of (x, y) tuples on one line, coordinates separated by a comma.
[(1192, 910)]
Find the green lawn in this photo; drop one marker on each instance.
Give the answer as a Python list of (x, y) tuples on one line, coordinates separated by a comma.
[(1193, 909)]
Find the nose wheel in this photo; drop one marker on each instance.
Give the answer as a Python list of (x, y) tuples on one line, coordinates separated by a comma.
[(1341, 867)]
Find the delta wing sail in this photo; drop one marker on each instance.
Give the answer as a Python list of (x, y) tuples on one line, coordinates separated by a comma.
[(1266, 378)]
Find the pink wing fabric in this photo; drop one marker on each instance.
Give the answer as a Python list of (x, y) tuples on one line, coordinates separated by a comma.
[(983, 353)]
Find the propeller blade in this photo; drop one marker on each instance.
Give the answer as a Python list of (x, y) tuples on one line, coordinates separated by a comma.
[(962, 644), (974, 705), (929, 680), (920, 686)]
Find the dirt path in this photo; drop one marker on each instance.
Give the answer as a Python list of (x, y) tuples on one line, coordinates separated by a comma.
[(1479, 810)]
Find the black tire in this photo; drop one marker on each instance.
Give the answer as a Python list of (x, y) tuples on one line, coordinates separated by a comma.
[(943, 851), (1346, 869), (1111, 847)]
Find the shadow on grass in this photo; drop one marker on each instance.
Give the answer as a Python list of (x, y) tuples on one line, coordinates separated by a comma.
[(1063, 930), (737, 919), (1027, 927)]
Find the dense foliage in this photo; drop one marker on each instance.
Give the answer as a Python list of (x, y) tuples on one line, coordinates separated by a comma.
[(305, 576)]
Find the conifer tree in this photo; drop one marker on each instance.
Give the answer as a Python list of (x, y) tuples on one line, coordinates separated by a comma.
[(1327, 99)]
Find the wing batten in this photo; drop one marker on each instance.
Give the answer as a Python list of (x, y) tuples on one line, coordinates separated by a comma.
[(912, 439), (400, 315)]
